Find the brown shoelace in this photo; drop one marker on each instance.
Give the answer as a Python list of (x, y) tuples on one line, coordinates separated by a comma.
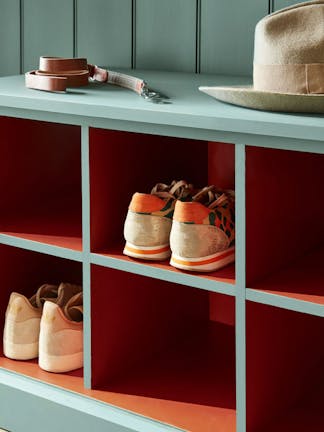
[(176, 190)]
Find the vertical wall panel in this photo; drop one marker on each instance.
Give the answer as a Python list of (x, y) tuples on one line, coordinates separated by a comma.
[(166, 34), (47, 30), (9, 37), (104, 32), (280, 4), (227, 35)]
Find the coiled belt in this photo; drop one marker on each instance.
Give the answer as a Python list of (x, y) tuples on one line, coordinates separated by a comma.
[(55, 74)]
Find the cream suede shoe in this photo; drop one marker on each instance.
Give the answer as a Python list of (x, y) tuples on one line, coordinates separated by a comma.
[(149, 220), (21, 330), (61, 336), (203, 232), (23, 316)]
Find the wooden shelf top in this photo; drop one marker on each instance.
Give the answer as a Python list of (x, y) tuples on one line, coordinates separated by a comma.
[(187, 107)]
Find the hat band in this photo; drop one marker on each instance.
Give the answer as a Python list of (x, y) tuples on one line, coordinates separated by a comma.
[(289, 78)]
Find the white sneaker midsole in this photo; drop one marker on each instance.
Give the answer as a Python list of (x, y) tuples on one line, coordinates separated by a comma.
[(207, 263), (159, 252), (65, 363), (20, 351)]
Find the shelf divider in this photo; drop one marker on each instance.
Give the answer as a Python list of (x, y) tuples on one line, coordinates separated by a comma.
[(85, 182), (240, 315)]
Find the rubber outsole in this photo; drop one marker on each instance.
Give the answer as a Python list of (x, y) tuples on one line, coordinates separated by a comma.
[(204, 264), (153, 253)]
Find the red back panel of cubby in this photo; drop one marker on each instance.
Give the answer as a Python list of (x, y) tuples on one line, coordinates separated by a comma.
[(284, 208), (40, 166), (221, 165), (135, 318), (285, 354), (122, 163), (222, 308)]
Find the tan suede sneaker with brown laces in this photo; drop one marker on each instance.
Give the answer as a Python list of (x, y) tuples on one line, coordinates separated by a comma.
[(61, 336), (203, 232), (23, 316), (149, 220)]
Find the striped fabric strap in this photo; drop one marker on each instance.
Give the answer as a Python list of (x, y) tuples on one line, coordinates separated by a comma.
[(56, 74)]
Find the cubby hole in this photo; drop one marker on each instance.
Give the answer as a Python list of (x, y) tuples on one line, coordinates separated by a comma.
[(122, 163), (40, 169), (163, 350), (23, 271), (284, 229), (285, 376)]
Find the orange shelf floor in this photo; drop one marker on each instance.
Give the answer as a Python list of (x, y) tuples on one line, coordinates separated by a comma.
[(68, 242), (51, 228), (302, 280)]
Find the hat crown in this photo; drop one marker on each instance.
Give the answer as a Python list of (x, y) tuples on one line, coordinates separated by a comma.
[(288, 70), (294, 35), (289, 50)]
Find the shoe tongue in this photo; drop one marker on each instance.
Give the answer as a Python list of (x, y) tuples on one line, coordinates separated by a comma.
[(73, 309), (65, 292), (44, 293)]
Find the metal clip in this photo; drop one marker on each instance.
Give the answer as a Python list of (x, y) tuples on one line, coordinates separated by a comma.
[(152, 96)]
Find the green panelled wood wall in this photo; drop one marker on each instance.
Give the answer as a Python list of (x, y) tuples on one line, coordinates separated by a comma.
[(9, 37), (210, 36)]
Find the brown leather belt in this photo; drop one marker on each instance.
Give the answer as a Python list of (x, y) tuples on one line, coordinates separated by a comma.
[(56, 74)]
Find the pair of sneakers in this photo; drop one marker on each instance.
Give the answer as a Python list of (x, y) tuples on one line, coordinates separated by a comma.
[(195, 227), (48, 325)]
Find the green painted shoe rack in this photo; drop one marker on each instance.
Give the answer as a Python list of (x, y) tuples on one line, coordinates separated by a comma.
[(240, 349)]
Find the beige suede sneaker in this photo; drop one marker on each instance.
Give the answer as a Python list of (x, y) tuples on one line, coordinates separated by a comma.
[(202, 237), (149, 220), (21, 330), (23, 316), (61, 336)]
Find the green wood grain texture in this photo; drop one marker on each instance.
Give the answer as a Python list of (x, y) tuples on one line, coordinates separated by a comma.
[(9, 37), (166, 35), (47, 30), (104, 32), (227, 35), (280, 4)]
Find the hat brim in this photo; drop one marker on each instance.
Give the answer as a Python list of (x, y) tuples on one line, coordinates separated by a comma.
[(247, 97)]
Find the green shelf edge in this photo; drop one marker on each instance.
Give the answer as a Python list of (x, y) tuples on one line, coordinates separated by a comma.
[(121, 419), (163, 274), (284, 302), (43, 248)]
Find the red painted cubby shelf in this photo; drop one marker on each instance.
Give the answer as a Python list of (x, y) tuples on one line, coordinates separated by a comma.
[(284, 229), (285, 378), (302, 280), (24, 271), (122, 163), (41, 172), (178, 365)]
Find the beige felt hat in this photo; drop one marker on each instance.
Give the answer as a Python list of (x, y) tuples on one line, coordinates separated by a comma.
[(288, 69)]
